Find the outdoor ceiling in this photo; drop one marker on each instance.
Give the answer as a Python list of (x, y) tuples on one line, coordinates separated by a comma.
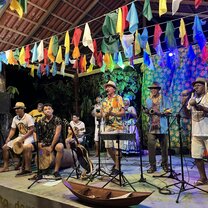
[(46, 18)]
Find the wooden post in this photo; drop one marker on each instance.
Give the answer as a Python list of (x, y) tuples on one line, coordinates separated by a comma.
[(76, 93)]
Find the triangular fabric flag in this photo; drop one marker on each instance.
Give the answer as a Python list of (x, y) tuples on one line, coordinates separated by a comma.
[(95, 48), (32, 74), (205, 54), (183, 35), (40, 50), (137, 47), (59, 57), (148, 48), (42, 69), (2, 59), (63, 67), (144, 38), (39, 71), (54, 69), (75, 40), (198, 34), (110, 42), (157, 34), (92, 64), (15, 5), (120, 61), (175, 6), (22, 56), (162, 7), (125, 23), (169, 36), (27, 54), (197, 3), (132, 18), (87, 38), (16, 54), (55, 45), (23, 4), (119, 24), (111, 64), (147, 11), (67, 47), (90, 69), (50, 50), (2, 3), (127, 44), (115, 57), (47, 70), (106, 59), (34, 53), (10, 58), (146, 58), (76, 64), (99, 59), (45, 56)]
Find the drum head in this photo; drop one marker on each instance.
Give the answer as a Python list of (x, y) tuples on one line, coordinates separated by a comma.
[(17, 146)]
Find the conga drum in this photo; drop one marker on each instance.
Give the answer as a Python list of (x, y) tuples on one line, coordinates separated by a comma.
[(17, 146), (46, 159), (67, 159)]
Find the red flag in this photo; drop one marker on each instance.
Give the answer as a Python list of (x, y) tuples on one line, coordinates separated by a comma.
[(45, 56), (100, 59), (157, 34), (75, 41), (27, 54), (95, 49), (125, 23), (197, 3)]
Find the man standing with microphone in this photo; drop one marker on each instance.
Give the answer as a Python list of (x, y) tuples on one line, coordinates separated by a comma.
[(198, 104)]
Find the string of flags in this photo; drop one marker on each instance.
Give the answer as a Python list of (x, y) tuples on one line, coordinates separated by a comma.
[(114, 29)]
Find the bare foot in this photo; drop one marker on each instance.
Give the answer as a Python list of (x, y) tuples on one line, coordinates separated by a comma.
[(4, 169)]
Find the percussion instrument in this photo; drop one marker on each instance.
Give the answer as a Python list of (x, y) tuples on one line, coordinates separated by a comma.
[(17, 146), (46, 159), (67, 159)]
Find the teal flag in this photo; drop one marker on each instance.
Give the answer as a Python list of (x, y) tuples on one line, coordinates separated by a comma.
[(147, 11)]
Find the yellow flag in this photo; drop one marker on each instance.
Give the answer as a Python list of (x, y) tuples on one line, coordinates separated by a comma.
[(67, 42), (15, 5), (119, 23), (10, 58), (106, 59), (32, 70), (85, 63), (76, 53), (90, 68), (59, 58), (22, 56), (162, 7), (148, 48), (50, 50), (182, 30), (137, 46)]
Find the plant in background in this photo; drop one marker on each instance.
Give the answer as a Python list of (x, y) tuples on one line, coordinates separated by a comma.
[(12, 91)]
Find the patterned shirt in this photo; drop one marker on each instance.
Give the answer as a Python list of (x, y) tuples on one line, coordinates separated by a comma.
[(46, 129), (116, 104)]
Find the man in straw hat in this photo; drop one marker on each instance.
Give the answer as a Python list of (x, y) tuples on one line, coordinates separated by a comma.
[(112, 111), (157, 109), (25, 124), (198, 104)]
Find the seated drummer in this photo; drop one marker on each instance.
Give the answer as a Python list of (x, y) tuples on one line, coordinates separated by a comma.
[(48, 131), (78, 130), (25, 124)]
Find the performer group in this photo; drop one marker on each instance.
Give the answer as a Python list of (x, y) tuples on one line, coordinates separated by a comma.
[(41, 132)]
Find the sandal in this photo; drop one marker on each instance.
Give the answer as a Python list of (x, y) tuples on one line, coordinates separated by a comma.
[(151, 170), (200, 182)]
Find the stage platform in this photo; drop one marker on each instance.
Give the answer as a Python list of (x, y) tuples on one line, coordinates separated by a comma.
[(14, 192)]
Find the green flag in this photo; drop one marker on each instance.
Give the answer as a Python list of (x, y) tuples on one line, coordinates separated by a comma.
[(147, 11)]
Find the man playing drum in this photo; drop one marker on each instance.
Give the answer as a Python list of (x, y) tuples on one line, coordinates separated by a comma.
[(48, 131), (25, 124)]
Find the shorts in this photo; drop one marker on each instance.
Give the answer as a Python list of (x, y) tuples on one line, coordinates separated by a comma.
[(198, 145)]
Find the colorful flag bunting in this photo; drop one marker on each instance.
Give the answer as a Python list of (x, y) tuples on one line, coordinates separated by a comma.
[(59, 57), (197, 3), (27, 54), (67, 47), (132, 18), (87, 38), (119, 28), (15, 5), (162, 7), (137, 47), (50, 50), (75, 40), (40, 50), (22, 56), (125, 23), (175, 6), (147, 11), (183, 35), (143, 38), (169, 36), (34, 53)]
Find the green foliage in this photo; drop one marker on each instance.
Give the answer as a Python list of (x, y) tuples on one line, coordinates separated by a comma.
[(12, 91)]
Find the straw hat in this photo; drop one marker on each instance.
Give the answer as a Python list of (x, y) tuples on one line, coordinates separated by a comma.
[(110, 83), (199, 80), (19, 105), (155, 85)]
